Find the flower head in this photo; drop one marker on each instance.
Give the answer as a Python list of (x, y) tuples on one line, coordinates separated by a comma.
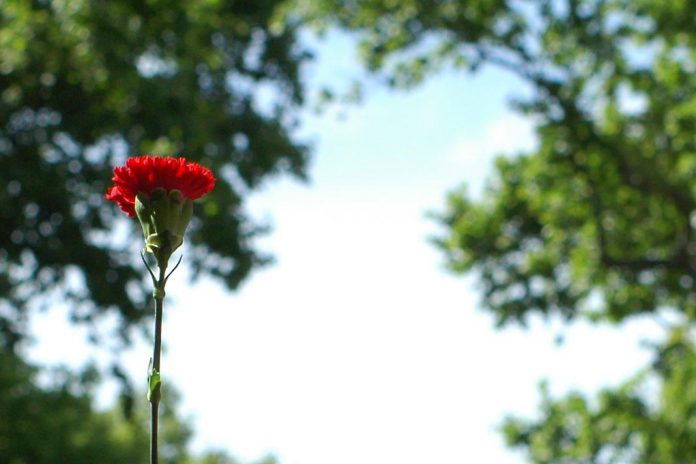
[(145, 174), (160, 191)]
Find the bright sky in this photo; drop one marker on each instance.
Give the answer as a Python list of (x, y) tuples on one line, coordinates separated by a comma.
[(357, 346)]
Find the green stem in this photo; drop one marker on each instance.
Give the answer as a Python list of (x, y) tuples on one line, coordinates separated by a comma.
[(155, 394)]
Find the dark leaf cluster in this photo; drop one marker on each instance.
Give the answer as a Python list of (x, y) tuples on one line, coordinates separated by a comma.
[(83, 85)]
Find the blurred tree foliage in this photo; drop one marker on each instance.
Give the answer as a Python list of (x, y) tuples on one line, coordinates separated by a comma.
[(57, 423), (604, 207), (598, 222), (85, 83), (631, 424)]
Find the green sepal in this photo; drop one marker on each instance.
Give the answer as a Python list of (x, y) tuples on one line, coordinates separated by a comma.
[(143, 210), (164, 217)]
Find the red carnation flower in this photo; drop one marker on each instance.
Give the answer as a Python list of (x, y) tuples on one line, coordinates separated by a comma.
[(145, 174)]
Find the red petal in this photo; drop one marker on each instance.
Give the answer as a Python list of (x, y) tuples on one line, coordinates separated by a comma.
[(147, 173)]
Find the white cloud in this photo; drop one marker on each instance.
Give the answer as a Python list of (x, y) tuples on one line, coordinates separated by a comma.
[(508, 135)]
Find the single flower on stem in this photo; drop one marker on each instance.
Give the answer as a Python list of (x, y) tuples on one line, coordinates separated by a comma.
[(160, 192)]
